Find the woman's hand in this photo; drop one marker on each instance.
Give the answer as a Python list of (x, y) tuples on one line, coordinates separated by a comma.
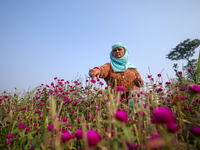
[(94, 73)]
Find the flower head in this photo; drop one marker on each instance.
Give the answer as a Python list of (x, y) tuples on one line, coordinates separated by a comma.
[(163, 115), (93, 137), (50, 127), (193, 88), (159, 75), (93, 81), (172, 127), (122, 116), (9, 136), (79, 134), (120, 88), (196, 131), (65, 137)]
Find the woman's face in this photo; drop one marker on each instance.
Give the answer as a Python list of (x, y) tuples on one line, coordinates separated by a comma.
[(118, 52)]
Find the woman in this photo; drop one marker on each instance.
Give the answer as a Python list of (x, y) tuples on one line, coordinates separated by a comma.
[(119, 70)]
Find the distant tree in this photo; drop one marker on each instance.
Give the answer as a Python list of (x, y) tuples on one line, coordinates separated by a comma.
[(184, 51)]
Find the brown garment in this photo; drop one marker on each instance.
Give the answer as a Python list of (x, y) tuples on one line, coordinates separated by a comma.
[(131, 81)]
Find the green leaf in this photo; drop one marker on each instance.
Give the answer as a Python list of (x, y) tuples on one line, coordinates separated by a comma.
[(127, 132), (2, 136), (29, 136)]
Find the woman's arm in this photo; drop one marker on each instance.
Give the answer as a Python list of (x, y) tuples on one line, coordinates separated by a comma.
[(138, 80), (100, 72), (105, 70)]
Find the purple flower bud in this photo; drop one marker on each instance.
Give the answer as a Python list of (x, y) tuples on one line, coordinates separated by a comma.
[(27, 128), (8, 141), (122, 116), (149, 76), (64, 119), (196, 131), (9, 136), (153, 137), (65, 137), (164, 115), (50, 127), (79, 134), (93, 138), (93, 81), (189, 70), (193, 88), (120, 88), (172, 127), (159, 75)]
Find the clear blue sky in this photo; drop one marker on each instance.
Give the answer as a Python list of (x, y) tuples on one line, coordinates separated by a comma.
[(40, 40)]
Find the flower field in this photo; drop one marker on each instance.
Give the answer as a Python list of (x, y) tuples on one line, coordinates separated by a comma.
[(67, 116)]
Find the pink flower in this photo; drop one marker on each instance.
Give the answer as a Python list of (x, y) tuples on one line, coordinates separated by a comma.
[(73, 111), (9, 136), (164, 115), (64, 119), (27, 128), (159, 75), (193, 88), (189, 70), (38, 112), (93, 81), (180, 72), (42, 104), (50, 127), (149, 76), (21, 125), (79, 134), (122, 116), (172, 127), (24, 108), (65, 137), (196, 131), (92, 118), (93, 138), (120, 88), (8, 141)]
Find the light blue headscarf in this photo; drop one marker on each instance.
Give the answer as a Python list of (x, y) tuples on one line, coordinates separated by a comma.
[(120, 64)]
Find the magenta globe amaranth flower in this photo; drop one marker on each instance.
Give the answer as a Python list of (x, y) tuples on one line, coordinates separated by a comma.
[(193, 88), (27, 128), (122, 116), (93, 81), (159, 75), (9, 136), (120, 88), (196, 131), (189, 70), (65, 137), (180, 72), (79, 134), (8, 141), (172, 127), (50, 127), (93, 137), (164, 115)]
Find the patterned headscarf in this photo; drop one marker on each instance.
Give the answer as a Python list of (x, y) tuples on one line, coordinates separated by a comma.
[(120, 64)]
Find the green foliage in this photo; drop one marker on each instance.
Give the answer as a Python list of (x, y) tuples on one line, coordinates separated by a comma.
[(184, 51)]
